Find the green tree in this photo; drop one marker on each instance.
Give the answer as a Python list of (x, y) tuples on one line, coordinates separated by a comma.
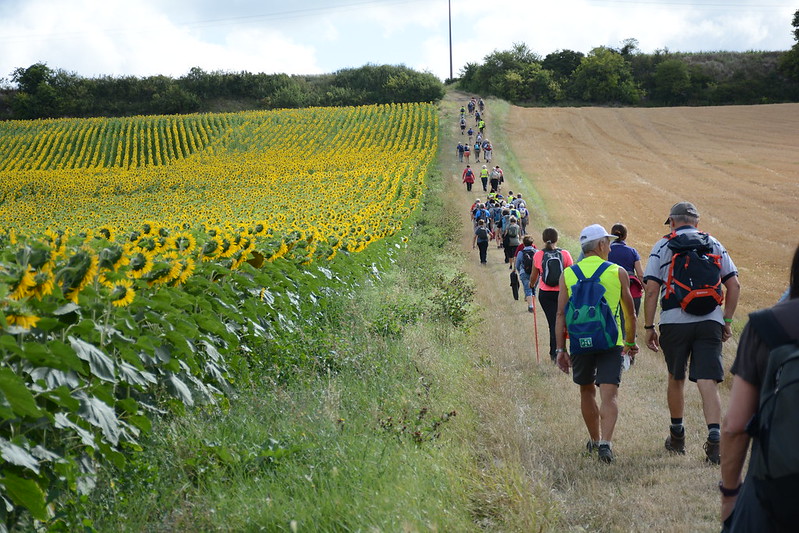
[(795, 24), (562, 63), (37, 98), (489, 77), (789, 63), (605, 77), (672, 81)]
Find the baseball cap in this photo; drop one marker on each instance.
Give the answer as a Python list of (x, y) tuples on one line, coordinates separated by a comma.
[(594, 232), (682, 208)]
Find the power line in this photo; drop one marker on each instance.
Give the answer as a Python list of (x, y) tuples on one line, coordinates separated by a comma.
[(710, 5), (215, 22)]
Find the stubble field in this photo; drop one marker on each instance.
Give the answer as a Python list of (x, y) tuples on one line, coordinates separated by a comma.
[(739, 165)]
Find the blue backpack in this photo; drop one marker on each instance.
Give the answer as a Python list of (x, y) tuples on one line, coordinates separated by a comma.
[(589, 319)]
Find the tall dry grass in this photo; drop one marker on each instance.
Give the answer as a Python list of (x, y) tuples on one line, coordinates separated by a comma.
[(535, 475)]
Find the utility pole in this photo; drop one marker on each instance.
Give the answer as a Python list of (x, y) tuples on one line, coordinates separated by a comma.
[(449, 5)]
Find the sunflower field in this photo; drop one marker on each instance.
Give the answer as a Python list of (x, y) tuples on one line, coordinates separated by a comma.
[(141, 257)]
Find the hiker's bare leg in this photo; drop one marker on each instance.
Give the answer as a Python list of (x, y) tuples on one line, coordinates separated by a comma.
[(609, 409), (590, 410), (675, 395), (711, 402)]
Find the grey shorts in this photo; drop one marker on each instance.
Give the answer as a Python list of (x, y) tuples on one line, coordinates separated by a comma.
[(597, 367), (695, 347)]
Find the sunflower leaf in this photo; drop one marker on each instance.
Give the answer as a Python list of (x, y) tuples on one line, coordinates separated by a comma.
[(101, 365), (17, 394)]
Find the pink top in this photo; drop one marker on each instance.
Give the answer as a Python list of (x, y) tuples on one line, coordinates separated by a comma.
[(538, 259)]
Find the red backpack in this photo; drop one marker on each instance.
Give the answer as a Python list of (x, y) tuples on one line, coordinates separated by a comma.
[(694, 279)]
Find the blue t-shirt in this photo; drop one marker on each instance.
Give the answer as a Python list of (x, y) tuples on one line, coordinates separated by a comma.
[(623, 255)]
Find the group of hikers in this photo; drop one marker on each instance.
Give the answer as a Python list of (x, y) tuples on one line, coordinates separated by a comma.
[(594, 304)]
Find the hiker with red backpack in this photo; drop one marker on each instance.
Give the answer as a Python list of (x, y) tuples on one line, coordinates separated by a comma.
[(762, 410), (692, 274), (593, 295), (468, 177), (548, 265)]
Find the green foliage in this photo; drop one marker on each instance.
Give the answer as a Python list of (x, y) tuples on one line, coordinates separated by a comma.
[(672, 81), (78, 387), (795, 24), (605, 77), (626, 76), (789, 63), (44, 92), (562, 63)]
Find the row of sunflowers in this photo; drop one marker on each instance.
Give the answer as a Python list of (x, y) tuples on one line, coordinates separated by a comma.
[(139, 255)]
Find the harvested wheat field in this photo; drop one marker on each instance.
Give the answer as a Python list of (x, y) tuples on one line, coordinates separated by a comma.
[(577, 166), (739, 165)]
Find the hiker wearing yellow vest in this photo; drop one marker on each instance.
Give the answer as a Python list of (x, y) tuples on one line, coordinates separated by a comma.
[(596, 358), (484, 178)]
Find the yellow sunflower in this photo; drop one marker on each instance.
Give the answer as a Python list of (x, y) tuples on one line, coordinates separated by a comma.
[(45, 282), (212, 248), (139, 264), (23, 321), (23, 287), (184, 242), (83, 268), (188, 266), (121, 292)]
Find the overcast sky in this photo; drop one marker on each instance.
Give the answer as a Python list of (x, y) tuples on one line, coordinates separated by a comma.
[(147, 37)]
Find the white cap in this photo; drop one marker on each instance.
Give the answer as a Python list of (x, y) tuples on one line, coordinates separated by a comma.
[(594, 232)]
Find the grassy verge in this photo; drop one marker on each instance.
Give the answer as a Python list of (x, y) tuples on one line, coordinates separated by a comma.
[(381, 442)]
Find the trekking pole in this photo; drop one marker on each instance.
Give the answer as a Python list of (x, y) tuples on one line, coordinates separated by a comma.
[(535, 328)]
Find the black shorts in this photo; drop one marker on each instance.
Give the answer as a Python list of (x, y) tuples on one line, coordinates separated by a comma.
[(695, 347), (597, 367)]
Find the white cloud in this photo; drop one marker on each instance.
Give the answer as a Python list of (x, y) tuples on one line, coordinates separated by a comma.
[(121, 37)]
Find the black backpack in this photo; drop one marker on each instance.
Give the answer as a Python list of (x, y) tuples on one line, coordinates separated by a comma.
[(527, 260), (694, 279), (552, 267), (482, 234), (774, 464)]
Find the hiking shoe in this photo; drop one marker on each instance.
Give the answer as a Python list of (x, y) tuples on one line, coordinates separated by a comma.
[(605, 453), (675, 443), (591, 446), (712, 452), (529, 308)]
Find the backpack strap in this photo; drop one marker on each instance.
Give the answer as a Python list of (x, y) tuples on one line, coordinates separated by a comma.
[(768, 328), (601, 270)]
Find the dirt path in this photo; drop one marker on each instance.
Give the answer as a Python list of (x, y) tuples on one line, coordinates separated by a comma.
[(581, 166)]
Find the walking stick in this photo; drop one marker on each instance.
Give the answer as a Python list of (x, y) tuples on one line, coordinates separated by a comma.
[(535, 328)]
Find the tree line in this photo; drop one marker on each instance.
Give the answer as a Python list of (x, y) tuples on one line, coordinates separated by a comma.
[(44, 92), (625, 76)]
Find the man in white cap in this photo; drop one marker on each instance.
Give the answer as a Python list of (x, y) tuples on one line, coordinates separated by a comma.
[(693, 323), (598, 342)]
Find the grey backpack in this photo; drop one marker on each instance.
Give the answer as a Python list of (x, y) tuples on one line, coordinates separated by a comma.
[(774, 464)]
